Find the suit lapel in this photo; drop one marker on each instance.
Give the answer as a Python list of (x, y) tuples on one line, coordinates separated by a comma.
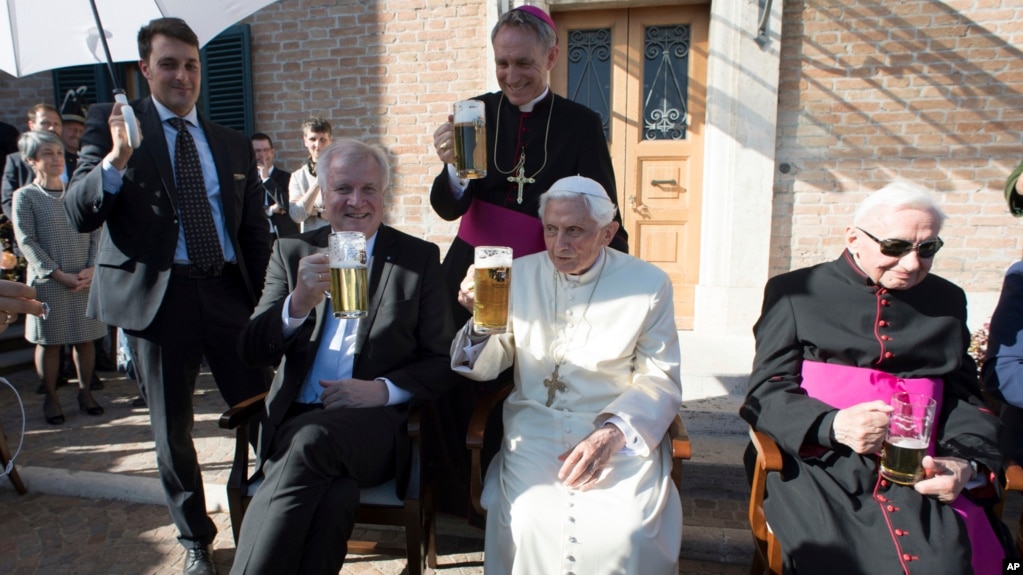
[(155, 143), (319, 243), (229, 200), (379, 274)]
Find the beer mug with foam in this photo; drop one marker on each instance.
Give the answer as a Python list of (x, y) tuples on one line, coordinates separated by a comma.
[(470, 139), (493, 282), (349, 282), (909, 435)]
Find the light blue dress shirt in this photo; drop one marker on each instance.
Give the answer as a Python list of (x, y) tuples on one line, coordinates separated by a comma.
[(335, 356), (113, 179)]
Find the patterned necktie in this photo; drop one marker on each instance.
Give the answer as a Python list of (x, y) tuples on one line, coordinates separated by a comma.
[(201, 238)]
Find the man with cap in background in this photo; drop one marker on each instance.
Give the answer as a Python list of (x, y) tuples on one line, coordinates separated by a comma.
[(583, 474), (72, 112)]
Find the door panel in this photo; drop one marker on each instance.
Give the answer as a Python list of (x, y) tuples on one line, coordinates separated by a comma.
[(658, 76)]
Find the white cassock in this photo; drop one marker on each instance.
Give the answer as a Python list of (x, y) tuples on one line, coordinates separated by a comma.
[(620, 358)]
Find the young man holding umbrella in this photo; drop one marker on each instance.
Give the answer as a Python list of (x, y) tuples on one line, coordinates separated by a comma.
[(181, 259)]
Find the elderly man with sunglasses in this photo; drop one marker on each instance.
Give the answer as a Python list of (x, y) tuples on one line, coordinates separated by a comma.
[(833, 343)]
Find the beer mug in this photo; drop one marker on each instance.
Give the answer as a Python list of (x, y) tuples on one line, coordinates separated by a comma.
[(909, 435), (493, 282), (349, 282), (470, 139)]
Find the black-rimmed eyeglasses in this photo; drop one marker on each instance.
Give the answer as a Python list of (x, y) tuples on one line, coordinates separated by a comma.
[(897, 248)]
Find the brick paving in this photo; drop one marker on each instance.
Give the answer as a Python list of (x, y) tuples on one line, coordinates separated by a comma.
[(46, 533)]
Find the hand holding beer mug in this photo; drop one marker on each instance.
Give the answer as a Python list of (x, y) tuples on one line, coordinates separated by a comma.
[(493, 284), (470, 139), (909, 435), (349, 282)]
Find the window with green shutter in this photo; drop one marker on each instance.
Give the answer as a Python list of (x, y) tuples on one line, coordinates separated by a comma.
[(226, 97), (227, 79)]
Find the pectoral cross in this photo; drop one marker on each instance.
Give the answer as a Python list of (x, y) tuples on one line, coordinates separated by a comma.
[(553, 385), (520, 178)]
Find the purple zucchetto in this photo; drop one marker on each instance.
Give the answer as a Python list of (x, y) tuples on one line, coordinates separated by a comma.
[(534, 11)]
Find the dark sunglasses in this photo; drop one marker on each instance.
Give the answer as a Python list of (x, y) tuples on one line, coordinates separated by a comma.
[(898, 248)]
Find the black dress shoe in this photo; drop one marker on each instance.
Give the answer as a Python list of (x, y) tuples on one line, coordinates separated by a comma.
[(199, 561)]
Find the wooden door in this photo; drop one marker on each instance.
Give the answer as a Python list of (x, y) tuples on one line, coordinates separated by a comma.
[(645, 71)]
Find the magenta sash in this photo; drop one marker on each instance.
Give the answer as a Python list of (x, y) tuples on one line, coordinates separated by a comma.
[(843, 386), (486, 224)]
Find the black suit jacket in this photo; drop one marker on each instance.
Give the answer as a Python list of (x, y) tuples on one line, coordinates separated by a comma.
[(17, 173), (276, 187), (406, 336), (136, 250)]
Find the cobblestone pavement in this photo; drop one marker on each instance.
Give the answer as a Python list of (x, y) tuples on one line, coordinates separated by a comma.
[(45, 533)]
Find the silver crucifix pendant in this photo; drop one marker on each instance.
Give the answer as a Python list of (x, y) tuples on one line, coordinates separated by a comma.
[(520, 178)]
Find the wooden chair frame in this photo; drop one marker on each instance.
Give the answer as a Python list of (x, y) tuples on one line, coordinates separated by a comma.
[(415, 513), (767, 551), (680, 445)]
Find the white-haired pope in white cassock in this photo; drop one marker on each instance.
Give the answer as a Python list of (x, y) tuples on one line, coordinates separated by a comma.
[(582, 482)]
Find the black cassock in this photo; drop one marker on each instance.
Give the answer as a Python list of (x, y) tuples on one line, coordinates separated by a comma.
[(826, 508), (574, 145)]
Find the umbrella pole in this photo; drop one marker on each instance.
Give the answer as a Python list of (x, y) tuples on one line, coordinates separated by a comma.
[(106, 48), (130, 123)]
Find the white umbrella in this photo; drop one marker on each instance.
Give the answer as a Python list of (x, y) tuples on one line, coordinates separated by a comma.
[(37, 35)]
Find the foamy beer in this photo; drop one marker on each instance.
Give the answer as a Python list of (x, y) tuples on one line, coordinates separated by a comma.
[(493, 284), (349, 283), (909, 435), (470, 139)]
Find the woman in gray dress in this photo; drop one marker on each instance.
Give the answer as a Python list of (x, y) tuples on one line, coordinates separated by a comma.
[(60, 264)]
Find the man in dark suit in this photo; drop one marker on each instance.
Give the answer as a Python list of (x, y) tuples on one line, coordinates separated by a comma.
[(275, 183), (340, 400), (181, 259)]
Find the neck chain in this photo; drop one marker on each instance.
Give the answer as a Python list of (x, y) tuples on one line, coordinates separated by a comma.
[(519, 170), (554, 383)]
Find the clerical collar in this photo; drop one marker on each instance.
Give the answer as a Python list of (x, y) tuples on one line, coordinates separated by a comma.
[(588, 275), (528, 106)]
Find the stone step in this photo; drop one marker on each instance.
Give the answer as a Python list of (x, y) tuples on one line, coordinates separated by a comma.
[(716, 466), (714, 416), (15, 352)]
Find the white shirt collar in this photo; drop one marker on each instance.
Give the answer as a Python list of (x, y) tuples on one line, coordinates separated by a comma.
[(528, 106), (192, 117)]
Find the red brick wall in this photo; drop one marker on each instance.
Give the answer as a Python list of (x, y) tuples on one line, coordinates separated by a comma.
[(17, 95), (385, 71), (926, 90)]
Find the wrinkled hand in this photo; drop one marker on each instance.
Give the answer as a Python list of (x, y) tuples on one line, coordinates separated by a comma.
[(863, 426), (121, 151), (312, 280), (17, 298), (444, 141), (944, 477), (354, 393), (584, 463), (467, 289)]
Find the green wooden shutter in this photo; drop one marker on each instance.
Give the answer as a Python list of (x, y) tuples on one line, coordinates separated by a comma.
[(227, 79), (95, 77)]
